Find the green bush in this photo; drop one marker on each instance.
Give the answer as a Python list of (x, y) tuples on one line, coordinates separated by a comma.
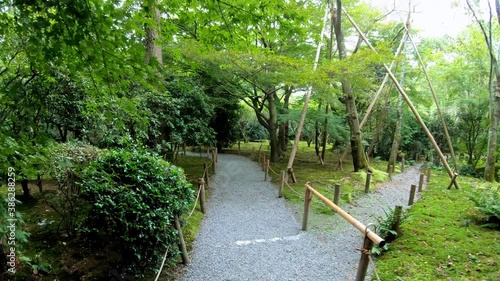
[(488, 202), (135, 196), (8, 259), (67, 162)]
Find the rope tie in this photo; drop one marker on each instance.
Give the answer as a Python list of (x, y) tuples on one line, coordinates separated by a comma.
[(195, 203), (273, 170)]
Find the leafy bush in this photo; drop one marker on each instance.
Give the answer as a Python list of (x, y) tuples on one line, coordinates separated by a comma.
[(488, 202), (135, 196), (67, 162), (468, 170)]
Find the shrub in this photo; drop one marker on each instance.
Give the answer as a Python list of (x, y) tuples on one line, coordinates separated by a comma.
[(488, 202), (67, 162), (387, 227), (135, 197), (468, 170), (7, 259)]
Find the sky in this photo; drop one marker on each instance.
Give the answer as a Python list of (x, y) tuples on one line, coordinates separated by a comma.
[(434, 18)]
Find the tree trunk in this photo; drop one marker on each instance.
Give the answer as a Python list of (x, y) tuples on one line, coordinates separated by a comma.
[(152, 49), (316, 134), (358, 155), (26, 189), (489, 170), (325, 131), (272, 129)]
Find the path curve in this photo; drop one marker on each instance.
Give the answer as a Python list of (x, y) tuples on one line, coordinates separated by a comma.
[(250, 234)]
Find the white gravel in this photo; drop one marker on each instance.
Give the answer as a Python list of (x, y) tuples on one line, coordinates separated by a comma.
[(250, 234)]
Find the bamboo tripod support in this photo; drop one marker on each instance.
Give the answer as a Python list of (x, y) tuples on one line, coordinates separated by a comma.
[(410, 105)]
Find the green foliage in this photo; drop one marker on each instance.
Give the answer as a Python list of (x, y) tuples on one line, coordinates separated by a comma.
[(21, 236), (67, 162), (135, 196), (487, 201), (387, 227)]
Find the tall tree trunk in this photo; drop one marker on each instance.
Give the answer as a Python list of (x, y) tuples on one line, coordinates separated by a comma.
[(489, 170), (283, 126), (151, 29), (272, 129), (358, 155), (316, 133), (325, 134)]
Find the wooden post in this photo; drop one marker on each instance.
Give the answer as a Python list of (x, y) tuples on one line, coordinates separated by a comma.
[(412, 194), (290, 173), (239, 148), (263, 162), (428, 175), (213, 162), (266, 171), (201, 186), (367, 184), (216, 154), (205, 173), (307, 204), (402, 164), (182, 243), (424, 168), (365, 259), (336, 194), (398, 212), (282, 185), (420, 182)]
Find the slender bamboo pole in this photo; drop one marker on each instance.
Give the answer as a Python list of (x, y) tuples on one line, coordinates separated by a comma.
[(306, 101), (408, 101), (434, 96), (375, 98), (361, 227), (266, 171)]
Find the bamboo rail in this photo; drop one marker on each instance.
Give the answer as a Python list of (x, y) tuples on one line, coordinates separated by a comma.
[(361, 227)]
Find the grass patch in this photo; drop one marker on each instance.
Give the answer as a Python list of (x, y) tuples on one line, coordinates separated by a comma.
[(441, 240)]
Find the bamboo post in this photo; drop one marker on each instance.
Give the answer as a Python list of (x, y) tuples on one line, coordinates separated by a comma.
[(428, 175), (264, 162), (201, 186), (453, 181), (365, 259), (367, 184), (412, 194), (282, 185), (182, 243), (216, 154), (205, 175), (420, 182), (307, 204), (336, 194), (239, 148), (402, 164), (424, 167)]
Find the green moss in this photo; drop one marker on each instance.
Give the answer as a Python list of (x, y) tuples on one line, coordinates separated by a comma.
[(439, 240)]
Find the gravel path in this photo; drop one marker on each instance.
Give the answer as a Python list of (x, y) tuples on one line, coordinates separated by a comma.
[(250, 234)]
